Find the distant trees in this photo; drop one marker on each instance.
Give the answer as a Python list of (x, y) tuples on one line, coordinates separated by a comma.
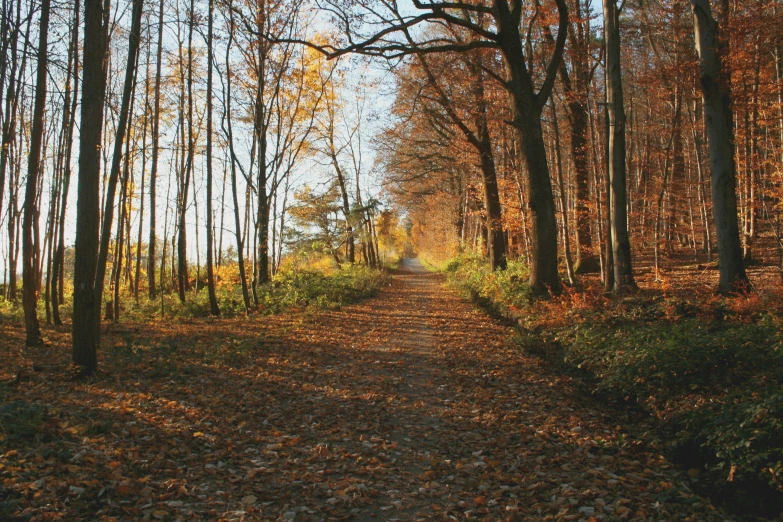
[(469, 114), (505, 27)]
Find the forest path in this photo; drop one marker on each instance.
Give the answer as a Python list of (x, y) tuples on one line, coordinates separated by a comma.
[(437, 415), (412, 405)]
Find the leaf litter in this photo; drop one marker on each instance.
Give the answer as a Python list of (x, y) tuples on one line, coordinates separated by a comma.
[(412, 405)]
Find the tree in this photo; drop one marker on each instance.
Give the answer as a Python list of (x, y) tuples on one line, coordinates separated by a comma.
[(86, 304), (716, 91), (155, 156), (213, 305), (499, 25), (621, 243), (229, 132), (69, 120), (576, 83), (184, 187), (29, 252)]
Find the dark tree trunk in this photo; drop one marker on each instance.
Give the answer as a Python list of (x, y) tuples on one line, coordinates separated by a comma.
[(183, 283), (576, 81), (12, 97), (527, 107), (69, 109), (15, 85), (139, 236), (119, 140), (262, 270), (562, 194), (86, 304), (261, 273), (30, 217), (496, 236)]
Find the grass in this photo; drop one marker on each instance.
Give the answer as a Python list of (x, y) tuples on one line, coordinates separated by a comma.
[(709, 369)]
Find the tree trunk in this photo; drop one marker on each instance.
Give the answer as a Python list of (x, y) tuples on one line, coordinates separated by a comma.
[(540, 201), (230, 132), (30, 218), (563, 199), (122, 129), (86, 304), (527, 106), (12, 96), (576, 87), (155, 152), (213, 304), (349, 243), (69, 109), (496, 236), (183, 283), (621, 244), (139, 236), (716, 91)]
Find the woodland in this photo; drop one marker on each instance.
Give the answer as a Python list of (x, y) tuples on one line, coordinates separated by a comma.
[(395, 260)]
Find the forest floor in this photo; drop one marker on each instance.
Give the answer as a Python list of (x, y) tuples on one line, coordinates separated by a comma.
[(413, 405)]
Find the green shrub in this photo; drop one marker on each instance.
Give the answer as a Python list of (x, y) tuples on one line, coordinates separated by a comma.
[(300, 289), (741, 435), (506, 291), (671, 358)]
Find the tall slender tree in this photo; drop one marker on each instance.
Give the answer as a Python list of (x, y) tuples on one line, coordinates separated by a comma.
[(155, 154), (618, 201), (69, 119), (30, 219), (213, 304), (182, 251)]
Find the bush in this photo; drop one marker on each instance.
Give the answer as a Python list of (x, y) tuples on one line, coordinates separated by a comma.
[(741, 435), (504, 291), (300, 289)]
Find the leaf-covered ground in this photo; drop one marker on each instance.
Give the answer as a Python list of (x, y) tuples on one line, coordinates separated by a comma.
[(412, 405)]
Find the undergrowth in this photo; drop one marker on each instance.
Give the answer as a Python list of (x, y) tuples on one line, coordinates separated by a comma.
[(296, 287), (708, 368)]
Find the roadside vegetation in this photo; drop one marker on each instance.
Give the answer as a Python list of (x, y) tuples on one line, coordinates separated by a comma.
[(706, 370)]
